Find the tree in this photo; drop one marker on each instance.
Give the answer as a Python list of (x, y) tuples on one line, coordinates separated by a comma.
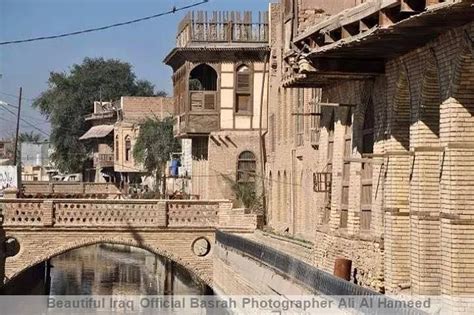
[(154, 145), (29, 137), (71, 96)]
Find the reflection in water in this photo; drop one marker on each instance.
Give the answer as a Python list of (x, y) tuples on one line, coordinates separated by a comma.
[(115, 269)]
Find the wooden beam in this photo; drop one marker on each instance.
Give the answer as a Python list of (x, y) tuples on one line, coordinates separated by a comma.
[(306, 114), (385, 18), (335, 104), (349, 65)]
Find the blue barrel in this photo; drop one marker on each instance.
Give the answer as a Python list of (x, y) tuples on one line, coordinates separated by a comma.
[(175, 164)]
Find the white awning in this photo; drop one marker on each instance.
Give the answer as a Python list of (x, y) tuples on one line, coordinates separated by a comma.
[(97, 132)]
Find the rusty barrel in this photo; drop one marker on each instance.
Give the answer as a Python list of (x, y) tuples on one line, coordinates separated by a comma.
[(342, 268)]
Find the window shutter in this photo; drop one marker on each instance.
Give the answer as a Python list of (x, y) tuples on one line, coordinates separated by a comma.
[(210, 101), (196, 100), (243, 82)]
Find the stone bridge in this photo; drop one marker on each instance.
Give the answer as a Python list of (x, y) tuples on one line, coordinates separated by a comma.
[(183, 231)]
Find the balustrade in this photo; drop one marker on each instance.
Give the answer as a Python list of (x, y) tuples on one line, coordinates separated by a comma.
[(86, 213)]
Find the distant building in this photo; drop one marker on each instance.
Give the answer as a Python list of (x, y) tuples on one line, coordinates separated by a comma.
[(6, 149), (101, 135), (35, 161), (133, 111), (114, 131)]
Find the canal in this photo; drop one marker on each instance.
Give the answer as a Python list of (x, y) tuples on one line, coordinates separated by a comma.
[(106, 269)]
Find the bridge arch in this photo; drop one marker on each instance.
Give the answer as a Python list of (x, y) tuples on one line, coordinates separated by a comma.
[(36, 248)]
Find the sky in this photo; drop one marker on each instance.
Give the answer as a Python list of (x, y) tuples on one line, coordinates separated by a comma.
[(144, 45)]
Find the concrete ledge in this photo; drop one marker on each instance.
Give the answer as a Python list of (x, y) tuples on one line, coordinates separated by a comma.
[(315, 279)]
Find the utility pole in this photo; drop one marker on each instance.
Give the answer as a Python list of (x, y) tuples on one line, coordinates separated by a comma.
[(15, 154)]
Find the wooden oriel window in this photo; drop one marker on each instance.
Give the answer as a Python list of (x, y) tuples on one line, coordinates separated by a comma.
[(128, 148), (246, 167), (243, 90)]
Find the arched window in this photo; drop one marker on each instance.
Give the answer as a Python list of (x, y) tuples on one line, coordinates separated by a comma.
[(246, 167), (202, 88), (128, 148), (203, 78), (117, 151), (243, 88)]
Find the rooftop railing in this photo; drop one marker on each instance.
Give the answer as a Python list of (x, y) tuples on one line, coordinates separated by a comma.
[(222, 27)]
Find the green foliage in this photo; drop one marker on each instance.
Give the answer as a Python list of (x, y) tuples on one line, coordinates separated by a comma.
[(29, 137), (71, 96), (246, 194), (154, 145)]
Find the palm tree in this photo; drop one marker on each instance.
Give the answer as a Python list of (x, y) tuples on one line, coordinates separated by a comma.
[(29, 137)]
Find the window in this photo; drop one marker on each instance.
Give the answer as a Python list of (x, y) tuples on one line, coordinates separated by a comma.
[(117, 151), (202, 88), (243, 85), (246, 167), (200, 148), (128, 148), (203, 78)]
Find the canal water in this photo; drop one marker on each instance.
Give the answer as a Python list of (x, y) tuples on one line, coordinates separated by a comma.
[(106, 269)]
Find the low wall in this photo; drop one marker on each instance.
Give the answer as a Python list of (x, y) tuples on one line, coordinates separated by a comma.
[(69, 189)]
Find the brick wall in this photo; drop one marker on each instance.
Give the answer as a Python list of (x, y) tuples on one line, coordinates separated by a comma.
[(135, 108), (224, 150), (421, 209)]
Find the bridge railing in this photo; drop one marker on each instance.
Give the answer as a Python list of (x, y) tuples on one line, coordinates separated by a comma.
[(93, 213), (46, 189)]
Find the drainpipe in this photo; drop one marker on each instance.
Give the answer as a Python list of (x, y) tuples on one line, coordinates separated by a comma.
[(262, 144), (292, 190)]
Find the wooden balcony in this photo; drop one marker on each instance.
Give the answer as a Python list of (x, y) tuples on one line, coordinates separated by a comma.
[(103, 160), (201, 116), (355, 43), (196, 123)]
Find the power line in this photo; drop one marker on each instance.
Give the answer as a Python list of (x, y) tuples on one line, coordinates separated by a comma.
[(25, 121), (90, 30), (16, 96)]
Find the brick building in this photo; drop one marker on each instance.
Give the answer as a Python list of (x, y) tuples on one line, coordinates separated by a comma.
[(114, 131), (132, 111), (220, 93), (100, 134), (369, 144)]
